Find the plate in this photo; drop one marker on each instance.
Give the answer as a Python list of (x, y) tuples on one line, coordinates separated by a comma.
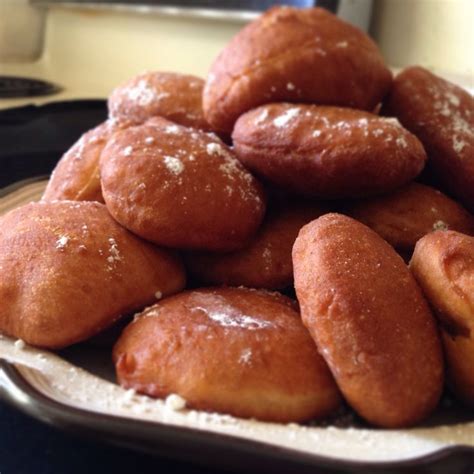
[(75, 390)]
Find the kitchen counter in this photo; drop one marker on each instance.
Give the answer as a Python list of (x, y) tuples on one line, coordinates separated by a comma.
[(89, 52)]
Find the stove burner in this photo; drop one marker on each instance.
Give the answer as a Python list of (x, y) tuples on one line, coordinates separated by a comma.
[(22, 87)]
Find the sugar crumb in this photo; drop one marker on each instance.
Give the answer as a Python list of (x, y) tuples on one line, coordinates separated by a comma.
[(458, 145), (172, 129), (175, 402), (19, 344), (246, 356), (62, 242), (214, 149), (400, 141), (175, 165), (440, 225), (129, 395)]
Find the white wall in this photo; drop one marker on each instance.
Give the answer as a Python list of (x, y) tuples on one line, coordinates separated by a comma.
[(435, 33)]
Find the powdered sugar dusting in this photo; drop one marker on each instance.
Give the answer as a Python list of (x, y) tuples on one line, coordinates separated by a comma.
[(215, 149), (175, 165), (401, 142), (453, 118), (127, 150), (62, 242), (290, 114), (172, 129), (458, 145), (142, 93), (246, 356), (261, 117), (227, 319), (391, 120)]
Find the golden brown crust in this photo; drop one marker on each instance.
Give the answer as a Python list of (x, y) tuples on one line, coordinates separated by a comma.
[(76, 177), (443, 264), (266, 262), (327, 152), (441, 115), (403, 217), (294, 55), (180, 188), (369, 320), (230, 350), (68, 270), (176, 97)]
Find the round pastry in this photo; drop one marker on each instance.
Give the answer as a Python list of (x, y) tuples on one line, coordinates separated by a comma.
[(295, 55), (68, 271), (229, 350), (406, 215), (441, 115), (369, 320), (266, 262), (76, 176), (180, 188), (176, 97), (327, 152), (443, 264)]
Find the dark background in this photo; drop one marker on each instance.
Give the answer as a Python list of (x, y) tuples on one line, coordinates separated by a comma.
[(30, 447), (244, 5)]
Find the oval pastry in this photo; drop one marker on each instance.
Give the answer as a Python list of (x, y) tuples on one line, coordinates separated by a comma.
[(68, 271), (294, 55), (369, 320), (180, 188), (176, 97), (76, 177), (231, 350), (403, 217), (266, 261), (441, 115), (327, 152), (443, 264)]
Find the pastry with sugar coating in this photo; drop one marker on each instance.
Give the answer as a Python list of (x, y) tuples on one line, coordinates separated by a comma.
[(406, 215), (441, 115), (294, 55), (327, 152), (180, 188), (266, 261), (68, 271), (176, 97), (229, 350), (369, 320), (76, 176), (443, 264)]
